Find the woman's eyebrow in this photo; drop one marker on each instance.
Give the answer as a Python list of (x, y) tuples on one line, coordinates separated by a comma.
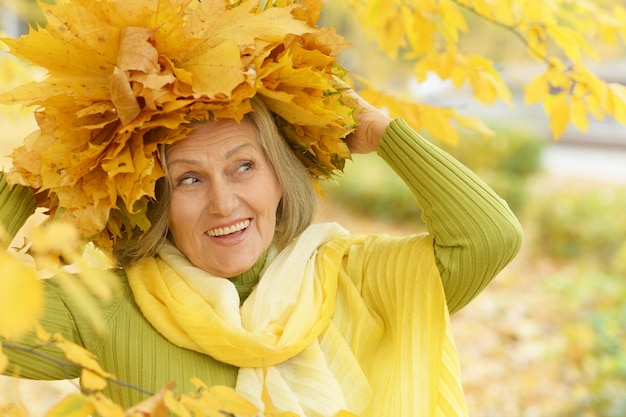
[(237, 149), (197, 162), (184, 161)]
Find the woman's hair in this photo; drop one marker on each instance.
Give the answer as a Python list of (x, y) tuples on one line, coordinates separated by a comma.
[(295, 210)]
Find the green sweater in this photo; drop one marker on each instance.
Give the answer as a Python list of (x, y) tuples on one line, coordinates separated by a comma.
[(475, 236)]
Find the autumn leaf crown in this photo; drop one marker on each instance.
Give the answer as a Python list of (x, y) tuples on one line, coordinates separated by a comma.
[(127, 76)]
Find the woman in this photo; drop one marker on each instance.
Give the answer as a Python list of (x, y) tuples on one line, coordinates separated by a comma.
[(234, 203), (233, 285)]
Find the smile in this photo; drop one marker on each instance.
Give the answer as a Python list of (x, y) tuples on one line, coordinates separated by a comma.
[(222, 231)]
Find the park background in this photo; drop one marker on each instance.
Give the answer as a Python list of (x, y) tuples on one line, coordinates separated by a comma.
[(547, 337)]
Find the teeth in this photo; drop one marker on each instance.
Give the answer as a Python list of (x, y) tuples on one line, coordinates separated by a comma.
[(221, 231)]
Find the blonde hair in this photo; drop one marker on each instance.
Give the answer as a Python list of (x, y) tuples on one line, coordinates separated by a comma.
[(295, 211)]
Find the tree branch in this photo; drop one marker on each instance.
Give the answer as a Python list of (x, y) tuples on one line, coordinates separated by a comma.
[(504, 26), (64, 364)]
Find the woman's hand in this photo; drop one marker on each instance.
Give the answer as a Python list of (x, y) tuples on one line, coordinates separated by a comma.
[(372, 124)]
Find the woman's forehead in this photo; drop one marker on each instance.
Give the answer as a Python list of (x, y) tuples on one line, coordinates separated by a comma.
[(224, 137)]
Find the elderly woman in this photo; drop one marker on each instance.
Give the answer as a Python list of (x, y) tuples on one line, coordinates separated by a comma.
[(361, 319), (233, 285)]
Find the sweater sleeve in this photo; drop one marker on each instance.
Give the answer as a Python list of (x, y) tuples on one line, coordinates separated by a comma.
[(475, 232), (17, 204), (28, 359)]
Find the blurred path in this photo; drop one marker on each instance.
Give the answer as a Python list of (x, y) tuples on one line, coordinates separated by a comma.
[(586, 162)]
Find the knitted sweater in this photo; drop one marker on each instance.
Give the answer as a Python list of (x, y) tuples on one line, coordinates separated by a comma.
[(474, 236)]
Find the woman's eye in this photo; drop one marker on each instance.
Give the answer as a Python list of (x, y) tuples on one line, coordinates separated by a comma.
[(245, 167), (188, 180)]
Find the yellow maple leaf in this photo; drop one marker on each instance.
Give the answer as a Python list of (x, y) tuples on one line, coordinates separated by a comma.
[(21, 297), (216, 68)]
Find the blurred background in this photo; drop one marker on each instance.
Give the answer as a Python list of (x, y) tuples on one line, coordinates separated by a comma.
[(548, 337)]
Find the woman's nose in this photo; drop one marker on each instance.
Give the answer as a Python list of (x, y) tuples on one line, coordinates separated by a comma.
[(221, 199)]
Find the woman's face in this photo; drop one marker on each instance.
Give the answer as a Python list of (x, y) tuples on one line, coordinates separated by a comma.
[(224, 197)]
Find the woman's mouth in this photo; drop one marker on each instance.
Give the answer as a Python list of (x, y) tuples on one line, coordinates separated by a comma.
[(224, 231)]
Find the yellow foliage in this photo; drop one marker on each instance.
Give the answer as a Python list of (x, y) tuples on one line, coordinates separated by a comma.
[(21, 297), (126, 76), (438, 122), (556, 32)]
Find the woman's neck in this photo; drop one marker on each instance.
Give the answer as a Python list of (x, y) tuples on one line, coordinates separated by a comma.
[(246, 282)]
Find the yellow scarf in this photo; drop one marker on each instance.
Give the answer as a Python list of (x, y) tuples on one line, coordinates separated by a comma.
[(312, 332), (272, 338)]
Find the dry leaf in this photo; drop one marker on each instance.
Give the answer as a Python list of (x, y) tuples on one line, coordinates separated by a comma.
[(153, 406)]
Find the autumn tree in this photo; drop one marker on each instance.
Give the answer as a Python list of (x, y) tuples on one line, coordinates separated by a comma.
[(562, 36), (427, 37)]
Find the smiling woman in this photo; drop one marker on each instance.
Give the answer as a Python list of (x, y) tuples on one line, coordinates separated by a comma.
[(296, 206), (224, 198), (229, 281)]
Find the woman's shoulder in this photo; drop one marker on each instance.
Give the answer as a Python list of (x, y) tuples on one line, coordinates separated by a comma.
[(83, 298)]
